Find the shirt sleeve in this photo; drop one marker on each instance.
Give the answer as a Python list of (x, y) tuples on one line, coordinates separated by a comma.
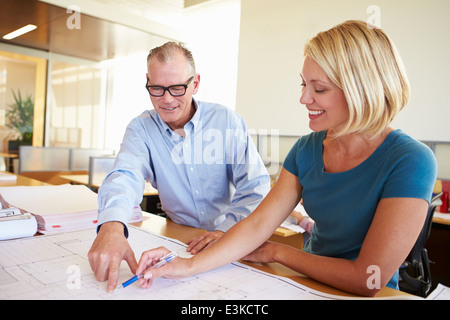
[(123, 188), (249, 176), (290, 162), (413, 175)]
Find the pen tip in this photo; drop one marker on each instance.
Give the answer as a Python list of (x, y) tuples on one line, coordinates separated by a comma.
[(116, 289)]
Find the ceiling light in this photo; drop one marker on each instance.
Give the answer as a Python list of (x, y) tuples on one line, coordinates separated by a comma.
[(19, 32)]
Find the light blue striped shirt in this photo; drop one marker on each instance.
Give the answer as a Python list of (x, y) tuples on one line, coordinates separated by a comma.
[(210, 179)]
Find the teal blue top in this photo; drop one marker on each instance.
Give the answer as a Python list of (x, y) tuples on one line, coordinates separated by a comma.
[(343, 204)]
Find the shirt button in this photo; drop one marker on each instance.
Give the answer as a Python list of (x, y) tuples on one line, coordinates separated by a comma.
[(202, 212), (192, 169), (196, 192)]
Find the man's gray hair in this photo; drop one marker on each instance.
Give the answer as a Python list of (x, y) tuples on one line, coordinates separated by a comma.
[(168, 51)]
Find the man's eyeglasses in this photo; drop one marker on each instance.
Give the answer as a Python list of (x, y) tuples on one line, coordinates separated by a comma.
[(176, 90)]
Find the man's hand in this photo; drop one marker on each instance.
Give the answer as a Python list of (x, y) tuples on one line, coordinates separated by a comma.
[(203, 241), (107, 252)]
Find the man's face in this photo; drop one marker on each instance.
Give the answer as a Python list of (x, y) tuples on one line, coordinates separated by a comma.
[(175, 111)]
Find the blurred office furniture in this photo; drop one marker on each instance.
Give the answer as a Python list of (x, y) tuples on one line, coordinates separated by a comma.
[(48, 163), (6, 160), (273, 149), (80, 157), (99, 168)]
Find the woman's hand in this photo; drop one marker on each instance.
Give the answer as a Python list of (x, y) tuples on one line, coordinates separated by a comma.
[(175, 269), (264, 254)]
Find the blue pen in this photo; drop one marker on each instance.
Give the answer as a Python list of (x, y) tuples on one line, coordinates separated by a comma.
[(162, 261)]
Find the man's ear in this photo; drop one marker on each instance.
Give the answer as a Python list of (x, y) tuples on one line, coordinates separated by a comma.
[(196, 83)]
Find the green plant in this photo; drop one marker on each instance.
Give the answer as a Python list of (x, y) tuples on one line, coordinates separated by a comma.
[(20, 115)]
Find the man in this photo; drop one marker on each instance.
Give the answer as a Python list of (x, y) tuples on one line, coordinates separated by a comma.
[(198, 155)]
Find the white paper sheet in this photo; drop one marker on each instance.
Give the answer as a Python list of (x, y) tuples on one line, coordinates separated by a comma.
[(440, 293), (441, 215), (51, 200)]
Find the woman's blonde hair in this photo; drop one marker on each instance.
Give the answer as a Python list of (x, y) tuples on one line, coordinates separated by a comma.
[(363, 61)]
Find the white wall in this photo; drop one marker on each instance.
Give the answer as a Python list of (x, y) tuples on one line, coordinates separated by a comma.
[(272, 37), (126, 96), (211, 31)]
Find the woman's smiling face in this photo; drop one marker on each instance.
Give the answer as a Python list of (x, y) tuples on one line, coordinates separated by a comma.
[(326, 103)]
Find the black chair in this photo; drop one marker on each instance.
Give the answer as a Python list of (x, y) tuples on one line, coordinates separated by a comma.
[(414, 274)]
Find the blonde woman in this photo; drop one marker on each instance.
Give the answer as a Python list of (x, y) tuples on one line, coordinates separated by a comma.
[(366, 185)]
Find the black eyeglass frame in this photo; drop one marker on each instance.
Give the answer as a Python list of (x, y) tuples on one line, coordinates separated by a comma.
[(168, 88)]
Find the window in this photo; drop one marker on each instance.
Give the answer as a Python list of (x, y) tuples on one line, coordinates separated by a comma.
[(22, 86)]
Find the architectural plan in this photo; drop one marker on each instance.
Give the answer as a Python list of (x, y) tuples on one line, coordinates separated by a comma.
[(56, 267)]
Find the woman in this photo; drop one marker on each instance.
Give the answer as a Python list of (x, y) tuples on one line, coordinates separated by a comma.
[(366, 185)]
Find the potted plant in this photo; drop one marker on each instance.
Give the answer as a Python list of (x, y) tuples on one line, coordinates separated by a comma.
[(20, 116)]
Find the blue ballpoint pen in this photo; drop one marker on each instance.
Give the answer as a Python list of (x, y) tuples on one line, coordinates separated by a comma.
[(162, 261)]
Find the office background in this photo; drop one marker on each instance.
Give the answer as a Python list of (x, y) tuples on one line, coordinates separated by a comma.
[(84, 69), (249, 54)]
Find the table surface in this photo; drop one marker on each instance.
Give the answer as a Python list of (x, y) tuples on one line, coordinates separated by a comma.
[(84, 179), (8, 155), (441, 221), (21, 181), (168, 228)]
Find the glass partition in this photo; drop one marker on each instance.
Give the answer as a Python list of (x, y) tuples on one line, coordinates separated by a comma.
[(75, 106)]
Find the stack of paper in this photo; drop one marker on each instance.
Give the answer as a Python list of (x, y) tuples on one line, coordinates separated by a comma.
[(59, 208), (15, 224), (6, 176)]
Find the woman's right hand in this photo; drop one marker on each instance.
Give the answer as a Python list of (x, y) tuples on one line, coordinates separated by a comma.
[(177, 268)]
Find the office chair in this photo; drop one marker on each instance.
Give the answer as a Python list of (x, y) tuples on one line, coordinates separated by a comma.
[(414, 274), (99, 168)]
